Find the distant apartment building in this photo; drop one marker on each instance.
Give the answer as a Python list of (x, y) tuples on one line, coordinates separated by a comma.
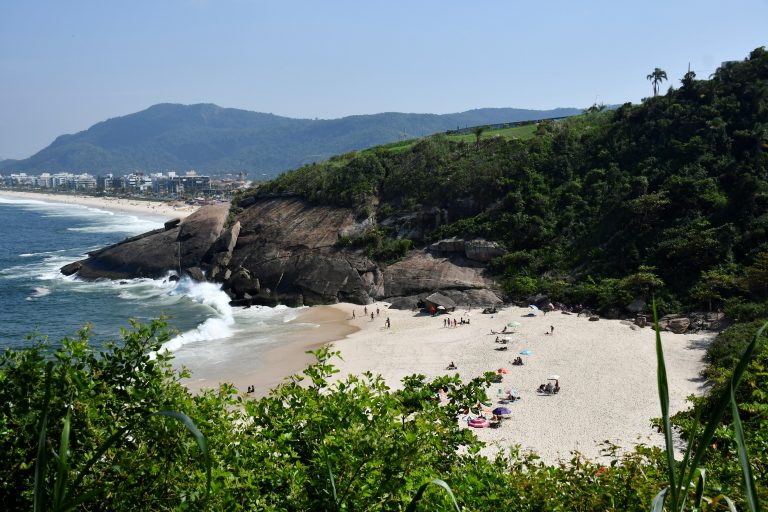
[(158, 184)]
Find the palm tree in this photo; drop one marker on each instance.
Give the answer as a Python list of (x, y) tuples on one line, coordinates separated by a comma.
[(656, 78), (478, 131)]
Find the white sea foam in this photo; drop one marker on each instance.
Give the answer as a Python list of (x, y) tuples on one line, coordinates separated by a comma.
[(40, 291), (219, 326)]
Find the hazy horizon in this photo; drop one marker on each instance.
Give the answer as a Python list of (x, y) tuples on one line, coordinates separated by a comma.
[(67, 66)]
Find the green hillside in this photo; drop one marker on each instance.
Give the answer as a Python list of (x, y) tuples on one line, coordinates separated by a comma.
[(214, 140), (668, 197)]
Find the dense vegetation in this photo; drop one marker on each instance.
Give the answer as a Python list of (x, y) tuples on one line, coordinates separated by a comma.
[(218, 140), (669, 196), (312, 444)]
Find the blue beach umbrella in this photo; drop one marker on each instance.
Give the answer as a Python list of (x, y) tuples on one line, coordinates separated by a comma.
[(502, 411)]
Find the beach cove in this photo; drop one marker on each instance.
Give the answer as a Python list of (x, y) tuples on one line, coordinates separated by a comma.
[(607, 372)]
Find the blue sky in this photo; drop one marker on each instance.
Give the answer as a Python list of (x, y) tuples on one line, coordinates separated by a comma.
[(65, 65)]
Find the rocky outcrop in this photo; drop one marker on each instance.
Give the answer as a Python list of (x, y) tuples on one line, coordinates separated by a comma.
[(156, 253), (476, 250), (461, 280), (416, 226), (285, 250)]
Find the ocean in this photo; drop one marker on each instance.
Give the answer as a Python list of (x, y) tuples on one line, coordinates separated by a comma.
[(37, 238)]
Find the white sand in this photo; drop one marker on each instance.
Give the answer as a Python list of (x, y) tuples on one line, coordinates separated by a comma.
[(170, 210), (607, 372)]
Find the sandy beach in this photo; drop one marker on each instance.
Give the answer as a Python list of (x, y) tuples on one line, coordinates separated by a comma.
[(115, 204), (235, 361), (607, 372)]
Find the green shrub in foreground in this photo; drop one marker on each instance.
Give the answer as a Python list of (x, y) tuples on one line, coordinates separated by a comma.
[(311, 444)]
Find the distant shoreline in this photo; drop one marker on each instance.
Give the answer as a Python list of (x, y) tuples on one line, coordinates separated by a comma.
[(170, 210)]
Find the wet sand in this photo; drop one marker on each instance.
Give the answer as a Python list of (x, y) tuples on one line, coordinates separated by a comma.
[(264, 370)]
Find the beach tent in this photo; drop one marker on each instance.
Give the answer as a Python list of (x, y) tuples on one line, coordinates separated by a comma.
[(434, 302)]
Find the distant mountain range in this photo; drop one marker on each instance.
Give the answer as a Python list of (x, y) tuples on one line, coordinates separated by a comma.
[(217, 140)]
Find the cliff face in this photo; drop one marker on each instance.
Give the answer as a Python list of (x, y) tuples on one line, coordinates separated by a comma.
[(283, 250)]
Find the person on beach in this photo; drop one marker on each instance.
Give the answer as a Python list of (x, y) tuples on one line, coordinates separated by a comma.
[(371, 316), (377, 311), (388, 324), (551, 329), (365, 310), (353, 313)]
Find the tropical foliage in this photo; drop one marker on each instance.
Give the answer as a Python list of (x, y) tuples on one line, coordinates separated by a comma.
[(312, 444), (677, 184)]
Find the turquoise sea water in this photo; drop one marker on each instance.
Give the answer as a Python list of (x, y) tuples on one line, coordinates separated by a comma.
[(37, 238)]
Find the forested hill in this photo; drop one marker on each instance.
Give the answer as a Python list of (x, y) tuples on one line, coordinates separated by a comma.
[(212, 139), (669, 197)]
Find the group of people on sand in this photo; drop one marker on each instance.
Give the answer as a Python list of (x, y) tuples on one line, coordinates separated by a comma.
[(549, 388), (451, 322), (518, 361), (387, 323)]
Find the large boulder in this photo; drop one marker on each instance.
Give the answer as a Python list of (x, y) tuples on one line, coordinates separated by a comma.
[(482, 250), (157, 252), (421, 271), (677, 324)]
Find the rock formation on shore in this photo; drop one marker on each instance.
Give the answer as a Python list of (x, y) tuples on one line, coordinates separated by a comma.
[(285, 250)]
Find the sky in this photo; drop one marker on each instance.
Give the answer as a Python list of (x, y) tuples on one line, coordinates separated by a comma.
[(65, 66)]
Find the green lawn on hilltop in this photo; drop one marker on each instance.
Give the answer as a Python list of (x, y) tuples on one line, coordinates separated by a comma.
[(524, 132), (520, 132)]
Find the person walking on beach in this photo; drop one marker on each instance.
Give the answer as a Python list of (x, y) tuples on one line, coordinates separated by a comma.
[(551, 329), (377, 311), (353, 313), (371, 316), (365, 310), (388, 324)]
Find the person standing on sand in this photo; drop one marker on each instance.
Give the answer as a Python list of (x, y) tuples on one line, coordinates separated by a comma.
[(365, 310), (377, 311), (388, 324), (353, 313), (551, 329), (371, 316)]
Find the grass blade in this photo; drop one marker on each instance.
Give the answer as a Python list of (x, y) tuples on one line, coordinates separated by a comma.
[(333, 483), (658, 501), (661, 376), (62, 473), (41, 461), (199, 438), (700, 489), (691, 438), (746, 469), (420, 493), (106, 445), (722, 404)]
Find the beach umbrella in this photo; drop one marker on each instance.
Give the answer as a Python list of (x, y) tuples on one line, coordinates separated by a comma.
[(553, 377), (502, 411), (525, 352), (534, 307), (502, 370)]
